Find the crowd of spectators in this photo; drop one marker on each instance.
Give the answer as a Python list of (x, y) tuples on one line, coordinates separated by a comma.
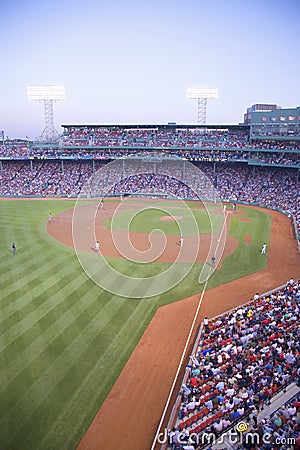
[(282, 426), (267, 186), (148, 183), (242, 359), (14, 150), (171, 137), (191, 143), (275, 145), (44, 178), (213, 155), (279, 158), (152, 137)]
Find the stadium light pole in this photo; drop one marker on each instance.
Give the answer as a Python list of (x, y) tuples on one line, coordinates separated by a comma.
[(202, 95), (47, 95)]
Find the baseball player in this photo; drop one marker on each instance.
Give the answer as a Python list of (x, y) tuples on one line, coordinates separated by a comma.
[(263, 249), (101, 204)]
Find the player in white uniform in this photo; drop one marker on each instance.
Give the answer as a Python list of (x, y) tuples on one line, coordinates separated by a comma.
[(263, 249)]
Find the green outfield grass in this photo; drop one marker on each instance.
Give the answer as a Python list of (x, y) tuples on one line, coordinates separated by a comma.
[(63, 340)]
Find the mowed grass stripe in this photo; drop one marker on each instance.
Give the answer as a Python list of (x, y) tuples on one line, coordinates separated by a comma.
[(127, 340), (24, 271), (38, 313), (40, 339), (30, 292), (62, 342), (65, 368), (115, 282), (68, 347), (37, 271), (28, 257)]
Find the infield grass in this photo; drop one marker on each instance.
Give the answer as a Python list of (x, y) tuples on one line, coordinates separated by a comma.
[(64, 340), (150, 219)]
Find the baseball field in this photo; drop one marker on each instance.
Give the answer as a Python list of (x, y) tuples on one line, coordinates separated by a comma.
[(83, 366)]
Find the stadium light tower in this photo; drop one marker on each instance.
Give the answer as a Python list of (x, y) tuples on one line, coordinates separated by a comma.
[(202, 95), (47, 95)]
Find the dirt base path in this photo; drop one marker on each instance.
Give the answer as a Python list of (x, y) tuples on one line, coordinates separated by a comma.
[(129, 417), (135, 245)]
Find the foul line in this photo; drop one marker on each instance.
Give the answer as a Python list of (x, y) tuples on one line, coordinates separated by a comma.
[(185, 349), (179, 367)]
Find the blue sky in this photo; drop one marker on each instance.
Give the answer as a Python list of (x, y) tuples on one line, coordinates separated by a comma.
[(132, 62)]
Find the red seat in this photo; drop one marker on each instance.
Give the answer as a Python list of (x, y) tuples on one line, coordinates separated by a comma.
[(181, 425), (202, 426), (199, 415), (194, 418), (201, 399), (188, 423), (208, 422), (205, 411), (219, 414)]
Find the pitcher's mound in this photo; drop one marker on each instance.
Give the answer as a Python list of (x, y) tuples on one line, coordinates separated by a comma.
[(171, 218)]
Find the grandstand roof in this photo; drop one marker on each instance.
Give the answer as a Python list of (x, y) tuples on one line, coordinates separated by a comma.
[(168, 125)]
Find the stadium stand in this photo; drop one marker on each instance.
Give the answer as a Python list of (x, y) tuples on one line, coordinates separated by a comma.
[(264, 171), (237, 367)]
